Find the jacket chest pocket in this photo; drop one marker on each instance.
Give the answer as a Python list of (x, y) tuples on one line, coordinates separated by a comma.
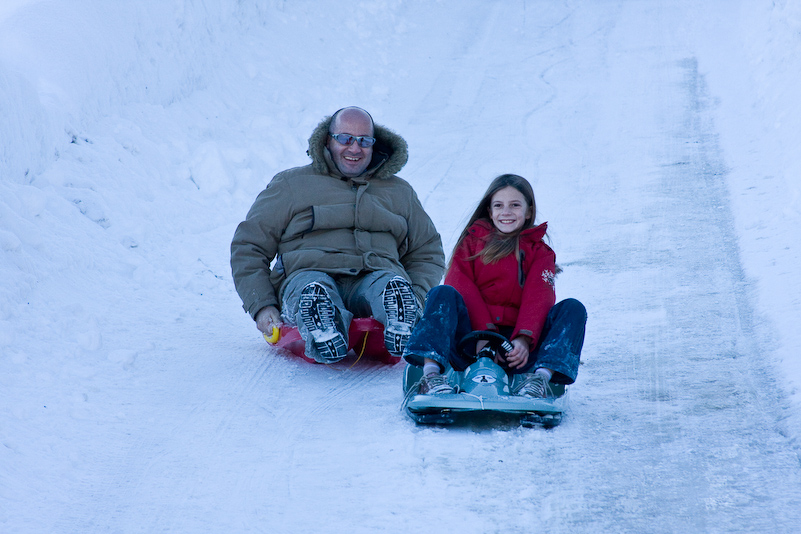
[(333, 217)]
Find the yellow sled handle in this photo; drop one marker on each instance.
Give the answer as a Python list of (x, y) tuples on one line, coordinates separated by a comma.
[(273, 339)]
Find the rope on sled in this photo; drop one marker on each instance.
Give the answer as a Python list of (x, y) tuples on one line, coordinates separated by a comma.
[(410, 393), (361, 353), (479, 397)]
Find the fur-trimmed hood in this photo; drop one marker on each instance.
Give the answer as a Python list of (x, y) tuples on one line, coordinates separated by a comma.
[(390, 152)]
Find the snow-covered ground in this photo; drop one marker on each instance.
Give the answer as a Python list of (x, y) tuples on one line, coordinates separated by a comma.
[(662, 140)]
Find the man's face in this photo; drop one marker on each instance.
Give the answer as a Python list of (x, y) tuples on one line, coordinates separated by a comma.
[(351, 160)]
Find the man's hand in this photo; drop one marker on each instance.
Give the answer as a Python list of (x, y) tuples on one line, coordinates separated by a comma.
[(267, 318)]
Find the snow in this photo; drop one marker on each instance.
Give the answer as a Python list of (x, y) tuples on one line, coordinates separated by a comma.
[(661, 139)]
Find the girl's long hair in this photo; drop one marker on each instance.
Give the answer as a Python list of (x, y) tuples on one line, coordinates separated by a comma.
[(499, 245)]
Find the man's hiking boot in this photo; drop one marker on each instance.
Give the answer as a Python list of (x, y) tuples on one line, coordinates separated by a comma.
[(318, 316), (401, 308)]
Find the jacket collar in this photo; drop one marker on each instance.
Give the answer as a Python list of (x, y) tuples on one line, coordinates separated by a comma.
[(390, 153), (379, 158)]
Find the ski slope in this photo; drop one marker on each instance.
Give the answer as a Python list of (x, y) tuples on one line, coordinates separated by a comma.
[(661, 139)]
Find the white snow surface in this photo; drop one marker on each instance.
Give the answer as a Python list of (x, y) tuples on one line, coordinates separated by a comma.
[(661, 138)]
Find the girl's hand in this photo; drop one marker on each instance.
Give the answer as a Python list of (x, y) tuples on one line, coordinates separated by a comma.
[(518, 356), (480, 344)]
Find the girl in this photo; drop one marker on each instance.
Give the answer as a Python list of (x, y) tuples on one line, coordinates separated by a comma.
[(501, 278)]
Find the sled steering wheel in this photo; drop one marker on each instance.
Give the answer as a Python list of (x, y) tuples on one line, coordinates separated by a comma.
[(496, 343)]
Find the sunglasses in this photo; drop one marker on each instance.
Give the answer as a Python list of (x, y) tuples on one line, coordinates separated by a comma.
[(347, 139)]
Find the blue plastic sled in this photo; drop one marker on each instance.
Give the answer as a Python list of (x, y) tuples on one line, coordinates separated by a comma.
[(483, 387)]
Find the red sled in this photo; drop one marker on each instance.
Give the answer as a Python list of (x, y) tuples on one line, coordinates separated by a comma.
[(365, 340)]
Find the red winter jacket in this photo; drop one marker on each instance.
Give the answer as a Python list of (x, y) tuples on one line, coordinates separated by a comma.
[(495, 295)]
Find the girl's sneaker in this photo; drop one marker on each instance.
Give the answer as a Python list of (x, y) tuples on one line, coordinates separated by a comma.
[(532, 385), (434, 384)]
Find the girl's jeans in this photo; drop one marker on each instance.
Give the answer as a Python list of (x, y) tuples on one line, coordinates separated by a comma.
[(446, 321)]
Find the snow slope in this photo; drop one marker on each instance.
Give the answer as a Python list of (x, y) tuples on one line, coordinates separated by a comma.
[(660, 137)]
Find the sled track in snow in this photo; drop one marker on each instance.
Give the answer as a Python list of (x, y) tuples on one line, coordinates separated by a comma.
[(683, 404)]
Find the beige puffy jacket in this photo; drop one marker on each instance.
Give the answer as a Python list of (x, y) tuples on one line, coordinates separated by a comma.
[(312, 218)]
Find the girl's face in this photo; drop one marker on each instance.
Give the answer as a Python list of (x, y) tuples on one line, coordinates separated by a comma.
[(509, 210)]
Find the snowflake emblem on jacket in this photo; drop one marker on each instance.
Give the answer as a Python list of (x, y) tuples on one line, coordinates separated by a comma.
[(549, 278)]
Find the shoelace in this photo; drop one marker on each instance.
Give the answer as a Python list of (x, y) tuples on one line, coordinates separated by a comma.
[(415, 390), (436, 383), (533, 386)]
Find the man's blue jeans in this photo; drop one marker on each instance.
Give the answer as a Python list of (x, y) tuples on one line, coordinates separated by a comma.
[(446, 321)]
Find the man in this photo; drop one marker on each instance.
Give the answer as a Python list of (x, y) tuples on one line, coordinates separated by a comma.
[(339, 238)]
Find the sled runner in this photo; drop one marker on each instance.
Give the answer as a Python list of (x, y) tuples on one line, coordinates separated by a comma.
[(365, 340), (483, 387)]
